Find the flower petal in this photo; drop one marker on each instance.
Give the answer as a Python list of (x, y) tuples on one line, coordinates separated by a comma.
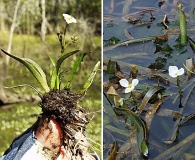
[(124, 82), (173, 71), (69, 18), (180, 72), (128, 90), (135, 82)]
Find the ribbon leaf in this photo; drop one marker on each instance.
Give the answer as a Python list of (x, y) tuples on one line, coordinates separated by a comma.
[(55, 78), (34, 68), (74, 69), (134, 119), (90, 79)]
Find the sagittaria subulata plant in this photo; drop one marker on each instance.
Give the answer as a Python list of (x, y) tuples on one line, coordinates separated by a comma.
[(61, 104)]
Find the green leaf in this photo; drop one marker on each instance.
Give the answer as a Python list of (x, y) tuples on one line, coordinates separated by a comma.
[(90, 79), (74, 69), (144, 148), (55, 78), (52, 61), (34, 68), (111, 68), (62, 58), (134, 120), (182, 24), (148, 96)]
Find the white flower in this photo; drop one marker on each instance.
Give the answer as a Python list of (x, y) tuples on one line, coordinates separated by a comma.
[(128, 86), (175, 72), (69, 18)]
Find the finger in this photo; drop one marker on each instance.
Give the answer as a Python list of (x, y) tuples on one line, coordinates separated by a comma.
[(50, 135)]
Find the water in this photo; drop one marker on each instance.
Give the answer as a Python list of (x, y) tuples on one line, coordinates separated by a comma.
[(143, 54)]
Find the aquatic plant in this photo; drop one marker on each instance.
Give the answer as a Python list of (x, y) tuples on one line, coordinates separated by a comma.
[(175, 73), (61, 104), (128, 86)]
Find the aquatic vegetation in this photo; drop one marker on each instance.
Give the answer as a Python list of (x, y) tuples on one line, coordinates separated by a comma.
[(129, 86), (60, 102), (175, 72), (157, 45)]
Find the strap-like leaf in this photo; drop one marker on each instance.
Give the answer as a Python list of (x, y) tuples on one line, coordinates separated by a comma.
[(147, 97), (90, 79), (34, 68), (74, 69), (61, 60), (52, 61), (133, 118), (55, 79)]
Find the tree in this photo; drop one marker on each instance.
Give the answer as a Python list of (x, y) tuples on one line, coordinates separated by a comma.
[(43, 24), (12, 31)]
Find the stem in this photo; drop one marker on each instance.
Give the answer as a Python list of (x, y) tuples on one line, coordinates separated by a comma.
[(179, 92), (64, 40)]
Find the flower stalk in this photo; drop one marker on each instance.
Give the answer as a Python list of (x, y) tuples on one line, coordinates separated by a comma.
[(175, 73)]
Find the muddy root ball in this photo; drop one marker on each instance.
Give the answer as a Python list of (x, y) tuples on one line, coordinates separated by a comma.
[(62, 106)]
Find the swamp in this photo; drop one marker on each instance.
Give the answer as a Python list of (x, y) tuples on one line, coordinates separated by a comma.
[(148, 79)]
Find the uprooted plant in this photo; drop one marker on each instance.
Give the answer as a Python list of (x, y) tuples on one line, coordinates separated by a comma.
[(61, 104)]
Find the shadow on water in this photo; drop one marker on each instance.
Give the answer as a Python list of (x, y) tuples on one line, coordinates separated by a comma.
[(143, 20)]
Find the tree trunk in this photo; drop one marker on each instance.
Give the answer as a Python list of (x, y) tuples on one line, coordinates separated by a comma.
[(2, 20), (11, 32), (43, 24), (56, 11)]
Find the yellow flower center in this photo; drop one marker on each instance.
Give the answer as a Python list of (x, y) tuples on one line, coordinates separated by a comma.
[(129, 86), (69, 18)]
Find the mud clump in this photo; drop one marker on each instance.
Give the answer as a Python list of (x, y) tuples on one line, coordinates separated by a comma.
[(62, 106)]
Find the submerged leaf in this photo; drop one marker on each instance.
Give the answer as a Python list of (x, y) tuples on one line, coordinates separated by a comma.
[(167, 50), (111, 68), (124, 149), (192, 44), (112, 41), (113, 151), (151, 112), (134, 120), (148, 96)]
